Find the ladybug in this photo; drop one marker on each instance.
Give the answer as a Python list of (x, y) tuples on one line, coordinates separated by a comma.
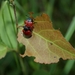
[(28, 28), (29, 23)]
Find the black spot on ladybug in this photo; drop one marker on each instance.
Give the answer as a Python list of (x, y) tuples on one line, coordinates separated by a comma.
[(26, 28)]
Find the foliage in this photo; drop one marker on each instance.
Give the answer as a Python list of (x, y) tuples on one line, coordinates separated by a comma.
[(47, 45)]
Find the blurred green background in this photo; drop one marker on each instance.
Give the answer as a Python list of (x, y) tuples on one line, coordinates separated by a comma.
[(62, 15)]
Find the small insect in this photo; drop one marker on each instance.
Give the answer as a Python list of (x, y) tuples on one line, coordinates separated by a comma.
[(28, 28), (29, 23)]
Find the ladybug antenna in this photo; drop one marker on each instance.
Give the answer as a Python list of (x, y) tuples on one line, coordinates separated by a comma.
[(27, 16), (30, 15)]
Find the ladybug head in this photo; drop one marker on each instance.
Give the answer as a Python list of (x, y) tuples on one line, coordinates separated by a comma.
[(29, 22)]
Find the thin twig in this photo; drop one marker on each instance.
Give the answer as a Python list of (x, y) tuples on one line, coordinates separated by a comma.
[(16, 21), (14, 8), (15, 17)]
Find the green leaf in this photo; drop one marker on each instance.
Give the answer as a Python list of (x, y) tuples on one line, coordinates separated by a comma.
[(3, 49), (41, 72), (47, 45), (7, 26)]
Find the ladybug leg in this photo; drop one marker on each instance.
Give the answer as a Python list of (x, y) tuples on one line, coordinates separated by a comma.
[(20, 26)]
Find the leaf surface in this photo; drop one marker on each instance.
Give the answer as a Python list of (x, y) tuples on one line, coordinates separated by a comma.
[(47, 45), (7, 29), (3, 49)]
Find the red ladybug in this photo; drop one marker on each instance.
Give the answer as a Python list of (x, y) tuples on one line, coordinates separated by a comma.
[(28, 28), (29, 23)]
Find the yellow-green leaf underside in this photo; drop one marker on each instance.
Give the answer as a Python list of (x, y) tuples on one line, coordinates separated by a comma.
[(3, 50), (47, 45)]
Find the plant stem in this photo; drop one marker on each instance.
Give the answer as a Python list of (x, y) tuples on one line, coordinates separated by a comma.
[(11, 17), (14, 8), (68, 35), (20, 59), (50, 7), (70, 30)]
